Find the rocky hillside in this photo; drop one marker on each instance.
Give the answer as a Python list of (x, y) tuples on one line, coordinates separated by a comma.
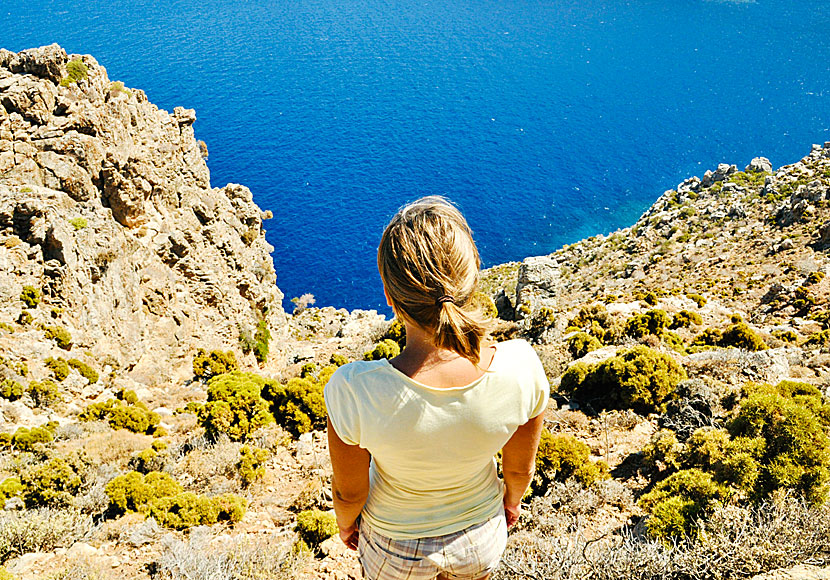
[(686, 438), (107, 211)]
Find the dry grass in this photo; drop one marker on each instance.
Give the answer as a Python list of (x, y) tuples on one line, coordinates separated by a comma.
[(236, 559), (110, 447), (736, 543), (208, 467), (40, 531)]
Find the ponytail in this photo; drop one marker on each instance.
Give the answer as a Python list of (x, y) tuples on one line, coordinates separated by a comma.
[(460, 331), (429, 265)]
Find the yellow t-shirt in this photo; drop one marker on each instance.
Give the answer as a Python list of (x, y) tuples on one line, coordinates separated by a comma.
[(433, 470)]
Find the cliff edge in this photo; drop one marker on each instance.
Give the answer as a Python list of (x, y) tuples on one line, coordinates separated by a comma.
[(106, 208)]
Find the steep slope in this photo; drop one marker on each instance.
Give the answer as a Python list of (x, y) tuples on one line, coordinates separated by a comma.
[(106, 208)]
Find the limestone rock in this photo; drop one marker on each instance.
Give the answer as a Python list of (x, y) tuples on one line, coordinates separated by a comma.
[(118, 224), (538, 280), (759, 164)]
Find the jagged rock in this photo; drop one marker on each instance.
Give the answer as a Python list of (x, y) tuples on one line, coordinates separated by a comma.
[(770, 366), (157, 262), (47, 62), (801, 572), (759, 164), (538, 280)]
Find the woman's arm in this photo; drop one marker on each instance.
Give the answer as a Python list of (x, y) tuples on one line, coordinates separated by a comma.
[(349, 484), (518, 461)]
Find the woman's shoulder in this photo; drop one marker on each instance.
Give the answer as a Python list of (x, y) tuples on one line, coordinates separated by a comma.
[(516, 347), (354, 373)]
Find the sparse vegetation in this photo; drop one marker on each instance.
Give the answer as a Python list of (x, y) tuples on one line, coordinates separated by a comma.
[(30, 296), (314, 526), (76, 71), (386, 348), (207, 365), (124, 412)]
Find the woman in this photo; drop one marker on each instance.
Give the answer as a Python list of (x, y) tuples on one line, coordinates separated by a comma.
[(413, 439)]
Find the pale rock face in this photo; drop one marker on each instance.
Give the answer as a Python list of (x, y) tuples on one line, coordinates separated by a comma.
[(106, 205)]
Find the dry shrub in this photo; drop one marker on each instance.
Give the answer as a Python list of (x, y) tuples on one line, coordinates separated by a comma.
[(239, 559), (114, 447), (572, 420), (209, 468), (735, 543), (40, 530)]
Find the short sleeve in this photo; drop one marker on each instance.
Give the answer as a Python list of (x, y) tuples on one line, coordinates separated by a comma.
[(342, 407), (541, 386)]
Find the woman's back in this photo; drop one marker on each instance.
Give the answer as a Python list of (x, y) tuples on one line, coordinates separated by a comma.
[(432, 448)]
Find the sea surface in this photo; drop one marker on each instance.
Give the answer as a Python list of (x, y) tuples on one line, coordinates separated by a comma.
[(546, 121)]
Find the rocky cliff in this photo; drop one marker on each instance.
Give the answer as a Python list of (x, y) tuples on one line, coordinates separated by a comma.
[(106, 208)]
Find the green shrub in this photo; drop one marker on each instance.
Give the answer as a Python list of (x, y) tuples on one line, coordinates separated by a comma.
[(639, 378), (339, 360), (541, 320), (796, 451), (262, 338), (582, 343), (251, 464), (803, 300), (9, 488), (54, 483), (821, 338), (44, 393), (78, 223), (733, 462), (814, 277), (315, 526), (207, 365), (785, 336), (235, 406), (76, 71), (25, 318), (230, 507), (561, 457), (740, 335), (396, 332), (298, 405), (187, 509), (60, 335), (59, 368), (132, 491), (11, 390), (484, 304), (709, 337), (84, 369), (386, 348), (30, 296), (663, 451), (685, 319), (651, 322), (697, 299), (124, 412), (25, 439), (595, 320), (147, 460), (677, 502)]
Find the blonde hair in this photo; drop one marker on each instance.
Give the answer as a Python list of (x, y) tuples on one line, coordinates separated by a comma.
[(429, 265)]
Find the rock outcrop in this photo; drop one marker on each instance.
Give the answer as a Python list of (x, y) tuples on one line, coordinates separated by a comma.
[(106, 207)]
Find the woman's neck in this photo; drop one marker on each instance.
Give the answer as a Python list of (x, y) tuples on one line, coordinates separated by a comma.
[(435, 366)]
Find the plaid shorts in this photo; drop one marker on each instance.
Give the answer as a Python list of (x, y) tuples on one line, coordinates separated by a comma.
[(466, 555)]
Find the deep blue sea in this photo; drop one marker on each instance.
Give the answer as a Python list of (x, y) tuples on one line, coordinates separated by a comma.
[(546, 121)]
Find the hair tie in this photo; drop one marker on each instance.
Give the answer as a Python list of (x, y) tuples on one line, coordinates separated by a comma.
[(445, 298)]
